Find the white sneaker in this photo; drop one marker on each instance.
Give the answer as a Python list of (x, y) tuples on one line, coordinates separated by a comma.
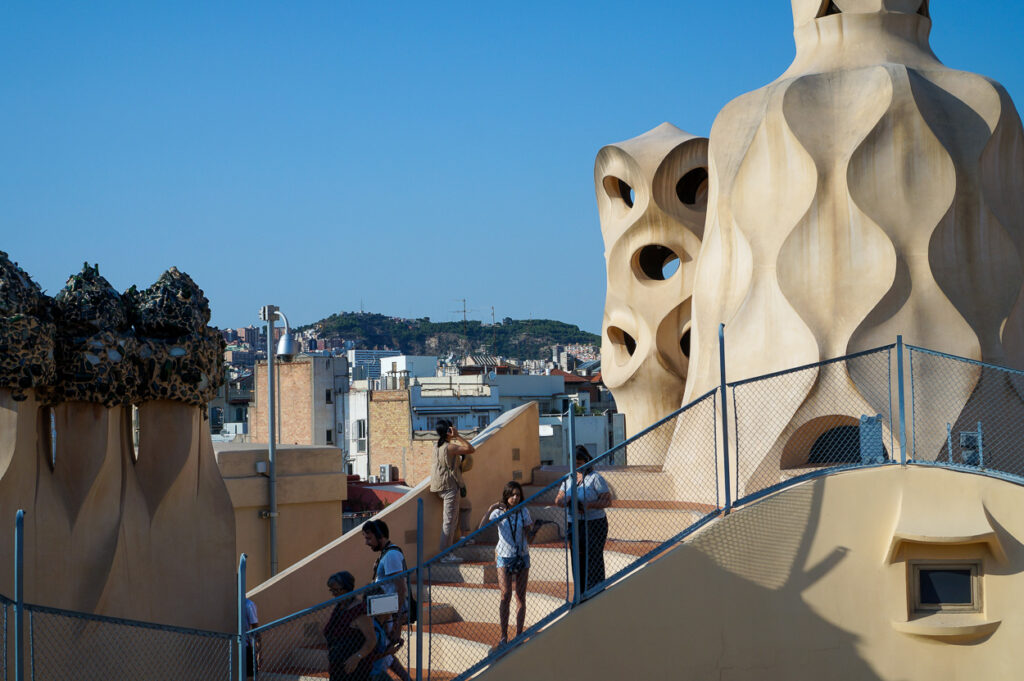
[(451, 558)]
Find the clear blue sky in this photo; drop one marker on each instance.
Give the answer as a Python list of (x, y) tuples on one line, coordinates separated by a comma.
[(395, 155)]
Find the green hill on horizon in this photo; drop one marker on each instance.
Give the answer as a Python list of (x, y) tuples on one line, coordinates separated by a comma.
[(518, 339)]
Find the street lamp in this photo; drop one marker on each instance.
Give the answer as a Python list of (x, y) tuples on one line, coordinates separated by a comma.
[(286, 349)]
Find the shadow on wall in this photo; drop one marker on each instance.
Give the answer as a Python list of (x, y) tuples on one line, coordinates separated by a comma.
[(730, 604)]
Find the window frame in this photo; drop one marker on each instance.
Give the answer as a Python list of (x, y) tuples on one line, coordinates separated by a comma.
[(914, 568)]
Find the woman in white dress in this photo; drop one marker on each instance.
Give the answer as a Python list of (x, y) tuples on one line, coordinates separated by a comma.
[(512, 555)]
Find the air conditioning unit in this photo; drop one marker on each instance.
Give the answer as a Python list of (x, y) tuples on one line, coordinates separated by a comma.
[(371, 478), (385, 473)]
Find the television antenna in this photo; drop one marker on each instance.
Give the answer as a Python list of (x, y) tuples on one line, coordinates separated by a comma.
[(494, 332), (465, 321)]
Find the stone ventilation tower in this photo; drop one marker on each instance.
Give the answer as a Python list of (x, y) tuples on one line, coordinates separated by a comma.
[(870, 191), (104, 445), (651, 197)]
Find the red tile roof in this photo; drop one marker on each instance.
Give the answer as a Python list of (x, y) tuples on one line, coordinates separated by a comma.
[(569, 378)]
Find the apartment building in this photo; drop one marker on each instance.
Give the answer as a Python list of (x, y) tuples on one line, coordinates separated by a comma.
[(365, 364), (310, 405)]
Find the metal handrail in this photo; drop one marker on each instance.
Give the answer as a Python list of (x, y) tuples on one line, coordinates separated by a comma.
[(47, 610), (966, 360), (812, 365)]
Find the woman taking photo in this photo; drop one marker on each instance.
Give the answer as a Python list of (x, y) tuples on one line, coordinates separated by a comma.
[(446, 480), (351, 638), (593, 496), (512, 555)]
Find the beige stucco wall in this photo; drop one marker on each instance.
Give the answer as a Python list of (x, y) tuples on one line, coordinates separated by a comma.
[(803, 585), (303, 584), (310, 492), (148, 537)]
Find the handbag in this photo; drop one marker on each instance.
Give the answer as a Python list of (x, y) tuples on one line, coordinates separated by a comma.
[(518, 563)]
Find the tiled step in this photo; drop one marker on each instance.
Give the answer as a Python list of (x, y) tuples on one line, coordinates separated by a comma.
[(633, 483), (467, 572), (476, 605), (547, 562), (546, 533), (545, 475), (643, 522), (449, 652), (442, 613), (451, 648)]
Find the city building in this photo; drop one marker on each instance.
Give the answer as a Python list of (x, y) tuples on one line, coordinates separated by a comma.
[(240, 356), (249, 335), (366, 363), (394, 418), (598, 433), (310, 408), (417, 366)]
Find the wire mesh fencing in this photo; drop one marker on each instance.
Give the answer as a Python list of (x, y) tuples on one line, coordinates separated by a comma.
[(349, 634), (965, 413), (527, 564), (799, 422), (672, 485), (510, 575), (75, 646), (6, 630)]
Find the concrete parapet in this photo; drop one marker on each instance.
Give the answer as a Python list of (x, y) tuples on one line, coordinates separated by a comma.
[(310, 490)]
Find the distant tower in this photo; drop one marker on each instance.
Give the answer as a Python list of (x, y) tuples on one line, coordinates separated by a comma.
[(651, 197), (870, 191)]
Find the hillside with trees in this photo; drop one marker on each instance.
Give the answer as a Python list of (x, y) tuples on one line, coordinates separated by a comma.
[(519, 339)]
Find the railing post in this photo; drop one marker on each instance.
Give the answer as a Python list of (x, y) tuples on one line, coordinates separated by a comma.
[(725, 418), (572, 432), (949, 444), (981, 449), (19, 595), (902, 405), (419, 589), (243, 621), (574, 548)]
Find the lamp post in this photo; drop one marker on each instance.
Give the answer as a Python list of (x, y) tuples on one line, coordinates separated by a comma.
[(286, 349)]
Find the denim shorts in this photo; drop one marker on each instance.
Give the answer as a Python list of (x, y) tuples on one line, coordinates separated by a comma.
[(503, 562)]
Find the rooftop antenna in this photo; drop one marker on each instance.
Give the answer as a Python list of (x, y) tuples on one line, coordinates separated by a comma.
[(465, 323), (494, 331)]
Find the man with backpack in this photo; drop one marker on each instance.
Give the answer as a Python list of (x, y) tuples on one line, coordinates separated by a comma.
[(390, 562)]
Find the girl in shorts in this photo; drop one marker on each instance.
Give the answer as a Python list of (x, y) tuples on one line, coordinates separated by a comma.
[(512, 555)]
